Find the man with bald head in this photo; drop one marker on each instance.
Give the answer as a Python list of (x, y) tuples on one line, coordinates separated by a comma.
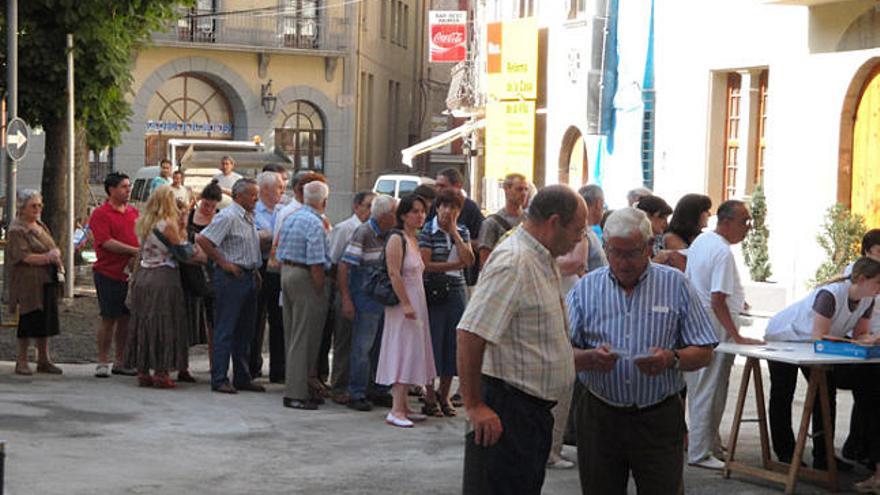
[(514, 359)]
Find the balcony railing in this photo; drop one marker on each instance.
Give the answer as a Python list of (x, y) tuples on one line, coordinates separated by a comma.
[(266, 28)]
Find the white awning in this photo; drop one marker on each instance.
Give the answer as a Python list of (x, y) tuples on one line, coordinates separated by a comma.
[(440, 140)]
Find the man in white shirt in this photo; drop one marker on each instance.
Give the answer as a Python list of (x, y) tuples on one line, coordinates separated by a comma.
[(181, 192), (712, 271), (227, 178)]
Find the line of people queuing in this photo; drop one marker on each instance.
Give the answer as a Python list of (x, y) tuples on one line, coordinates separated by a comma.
[(636, 314)]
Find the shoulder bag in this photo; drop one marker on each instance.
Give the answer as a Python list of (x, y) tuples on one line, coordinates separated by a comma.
[(378, 284)]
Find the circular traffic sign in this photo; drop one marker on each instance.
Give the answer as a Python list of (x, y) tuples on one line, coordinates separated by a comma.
[(17, 135)]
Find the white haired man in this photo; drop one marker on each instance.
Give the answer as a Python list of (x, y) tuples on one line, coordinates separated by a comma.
[(362, 256), (303, 250), (635, 195), (268, 309), (635, 326)]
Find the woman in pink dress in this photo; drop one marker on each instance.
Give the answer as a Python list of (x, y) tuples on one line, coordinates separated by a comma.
[(406, 357)]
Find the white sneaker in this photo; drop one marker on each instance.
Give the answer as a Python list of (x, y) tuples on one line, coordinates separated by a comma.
[(709, 462), (560, 463), (102, 370)]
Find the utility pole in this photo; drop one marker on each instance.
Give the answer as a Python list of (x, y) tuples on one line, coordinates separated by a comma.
[(71, 189), (11, 99)]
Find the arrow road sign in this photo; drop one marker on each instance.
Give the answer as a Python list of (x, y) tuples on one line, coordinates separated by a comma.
[(17, 135)]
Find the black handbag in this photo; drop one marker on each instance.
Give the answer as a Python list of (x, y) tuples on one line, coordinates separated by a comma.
[(438, 285), (378, 284)]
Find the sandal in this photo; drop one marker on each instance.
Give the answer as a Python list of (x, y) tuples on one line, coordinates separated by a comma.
[(431, 409), (456, 400), (144, 380), (163, 381), (448, 410)]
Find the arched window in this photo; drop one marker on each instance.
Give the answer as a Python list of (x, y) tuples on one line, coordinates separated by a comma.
[(185, 106), (301, 135)]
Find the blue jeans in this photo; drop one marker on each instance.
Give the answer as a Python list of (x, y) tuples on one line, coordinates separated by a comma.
[(365, 336), (235, 314)]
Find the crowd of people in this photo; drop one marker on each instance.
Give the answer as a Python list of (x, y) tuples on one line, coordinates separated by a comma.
[(562, 321)]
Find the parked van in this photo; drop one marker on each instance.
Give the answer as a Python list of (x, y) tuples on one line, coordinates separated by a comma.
[(399, 185)]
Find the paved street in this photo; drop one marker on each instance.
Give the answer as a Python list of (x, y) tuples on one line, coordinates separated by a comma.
[(79, 435)]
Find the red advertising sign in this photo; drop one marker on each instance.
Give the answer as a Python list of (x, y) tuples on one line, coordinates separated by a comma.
[(448, 35)]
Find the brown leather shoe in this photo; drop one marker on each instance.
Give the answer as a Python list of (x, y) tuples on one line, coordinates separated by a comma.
[(49, 368), (251, 387), (23, 369), (226, 388)]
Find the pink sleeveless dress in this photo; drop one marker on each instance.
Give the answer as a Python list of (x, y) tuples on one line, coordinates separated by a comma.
[(406, 355)]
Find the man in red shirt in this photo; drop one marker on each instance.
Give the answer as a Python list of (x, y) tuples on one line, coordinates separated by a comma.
[(115, 245)]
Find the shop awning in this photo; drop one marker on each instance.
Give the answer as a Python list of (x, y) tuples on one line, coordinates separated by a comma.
[(440, 140)]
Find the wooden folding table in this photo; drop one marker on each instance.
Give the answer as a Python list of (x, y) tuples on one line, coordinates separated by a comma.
[(798, 354)]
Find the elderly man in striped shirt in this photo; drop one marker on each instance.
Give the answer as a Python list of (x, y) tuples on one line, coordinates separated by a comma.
[(635, 327)]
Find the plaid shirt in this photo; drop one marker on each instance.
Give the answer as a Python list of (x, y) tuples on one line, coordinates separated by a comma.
[(517, 308), (235, 235), (303, 239)]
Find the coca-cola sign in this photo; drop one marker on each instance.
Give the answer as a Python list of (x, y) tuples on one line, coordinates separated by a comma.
[(448, 37)]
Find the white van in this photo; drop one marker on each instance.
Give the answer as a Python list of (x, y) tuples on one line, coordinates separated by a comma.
[(399, 185)]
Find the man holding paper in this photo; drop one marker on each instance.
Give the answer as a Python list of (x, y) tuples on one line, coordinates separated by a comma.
[(635, 327)]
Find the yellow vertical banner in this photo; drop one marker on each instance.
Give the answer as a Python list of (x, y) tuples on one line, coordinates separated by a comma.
[(510, 138), (513, 60)]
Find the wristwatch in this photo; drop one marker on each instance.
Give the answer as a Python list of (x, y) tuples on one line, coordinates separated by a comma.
[(676, 359)]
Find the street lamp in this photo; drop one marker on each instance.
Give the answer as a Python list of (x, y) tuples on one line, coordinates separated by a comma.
[(269, 100)]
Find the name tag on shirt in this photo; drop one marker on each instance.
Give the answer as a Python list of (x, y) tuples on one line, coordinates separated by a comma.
[(660, 309)]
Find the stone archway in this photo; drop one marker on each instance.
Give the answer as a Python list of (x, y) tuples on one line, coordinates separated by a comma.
[(573, 166), (245, 106), (849, 149)]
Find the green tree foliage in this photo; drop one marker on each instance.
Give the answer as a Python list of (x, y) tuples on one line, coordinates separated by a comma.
[(840, 238), (755, 251), (107, 35)]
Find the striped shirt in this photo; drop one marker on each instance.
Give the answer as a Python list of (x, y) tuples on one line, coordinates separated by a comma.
[(441, 245), (517, 308), (340, 235), (663, 311), (234, 233), (303, 239)]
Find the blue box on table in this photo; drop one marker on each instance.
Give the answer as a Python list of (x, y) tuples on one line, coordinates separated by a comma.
[(846, 348)]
